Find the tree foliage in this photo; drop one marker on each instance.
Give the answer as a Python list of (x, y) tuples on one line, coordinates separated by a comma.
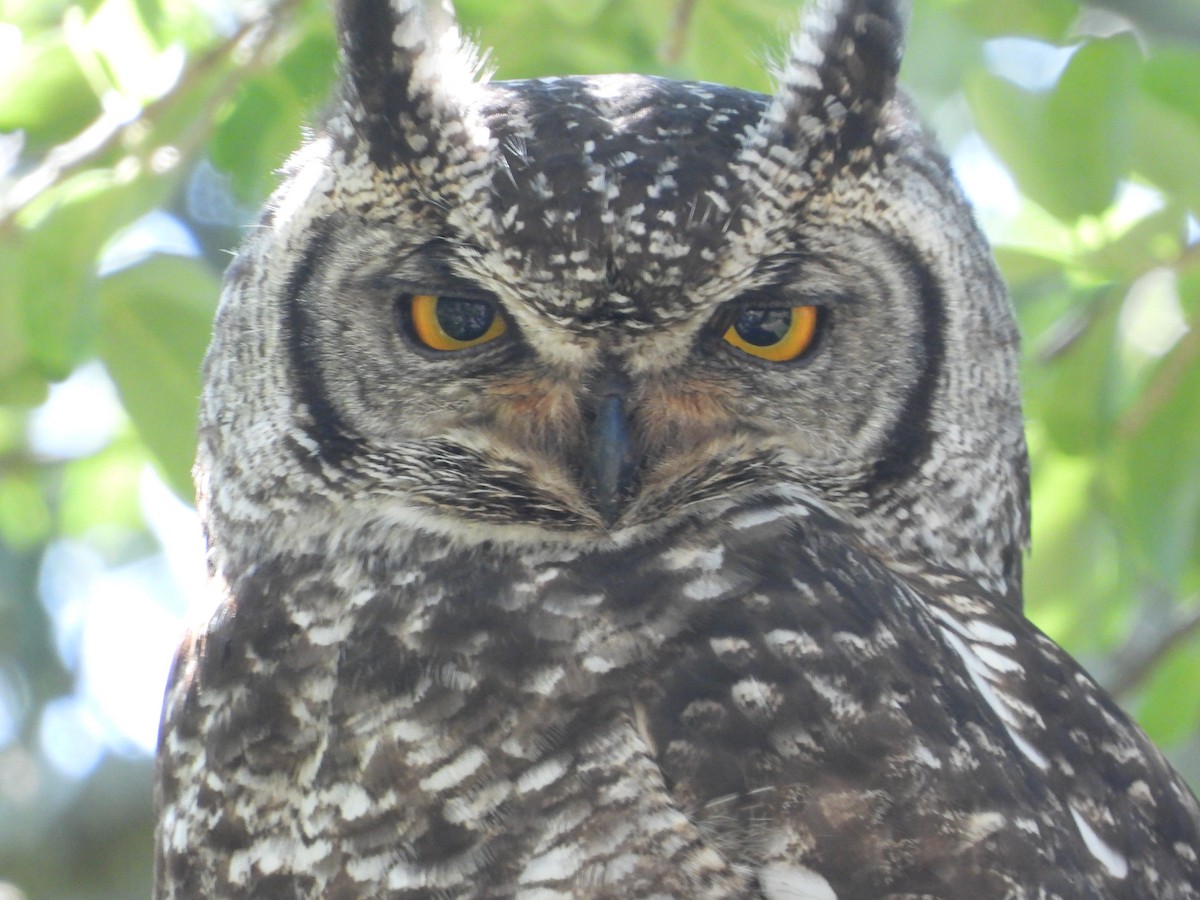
[(137, 137)]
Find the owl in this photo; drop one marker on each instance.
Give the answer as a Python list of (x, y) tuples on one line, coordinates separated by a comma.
[(615, 488)]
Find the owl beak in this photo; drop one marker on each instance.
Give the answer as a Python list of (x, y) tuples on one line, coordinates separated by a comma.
[(612, 462)]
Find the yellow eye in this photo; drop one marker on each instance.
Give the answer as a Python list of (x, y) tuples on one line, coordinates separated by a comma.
[(454, 323), (778, 335)]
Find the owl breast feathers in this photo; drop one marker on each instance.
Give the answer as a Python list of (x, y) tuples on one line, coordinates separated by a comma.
[(616, 488)]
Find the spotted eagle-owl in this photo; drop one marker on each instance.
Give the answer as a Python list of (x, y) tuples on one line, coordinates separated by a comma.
[(616, 488)]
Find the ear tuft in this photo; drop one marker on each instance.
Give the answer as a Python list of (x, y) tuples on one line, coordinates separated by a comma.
[(407, 78), (840, 72)]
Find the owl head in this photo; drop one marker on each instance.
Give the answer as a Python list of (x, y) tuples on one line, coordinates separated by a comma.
[(575, 310)]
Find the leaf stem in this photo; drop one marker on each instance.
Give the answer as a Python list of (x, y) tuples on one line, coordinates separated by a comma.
[(1140, 665), (676, 41)]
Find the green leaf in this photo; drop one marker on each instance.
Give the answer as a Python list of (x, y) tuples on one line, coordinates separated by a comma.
[(25, 387), (1075, 553), (64, 232), (261, 128), (1087, 123), (100, 491), (25, 519), (729, 41), (1021, 266), (1010, 120), (55, 279), (309, 67), (1156, 239), (1046, 19), (14, 348), (940, 49), (1075, 400), (150, 17), (1172, 76), (1155, 476), (46, 93), (1068, 149), (577, 12), (617, 41), (1170, 707), (257, 135), (1166, 148), (155, 321)]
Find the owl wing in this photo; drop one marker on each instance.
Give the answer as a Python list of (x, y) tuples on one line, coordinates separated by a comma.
[(854, 733)]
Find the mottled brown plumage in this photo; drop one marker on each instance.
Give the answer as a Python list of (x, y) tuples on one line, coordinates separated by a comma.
[(568, 588)]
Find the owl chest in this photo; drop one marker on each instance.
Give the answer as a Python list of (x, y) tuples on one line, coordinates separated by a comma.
[(508, 742), (674, 724), (635, 732), (453, 729)]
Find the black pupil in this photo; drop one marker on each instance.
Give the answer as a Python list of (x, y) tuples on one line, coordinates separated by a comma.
[(763, 327), (465, 320)]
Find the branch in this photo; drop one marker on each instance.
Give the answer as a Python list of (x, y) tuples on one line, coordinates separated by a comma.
[(1174, 20), (120, 116), (676, 42), (1074, 325), (1135, 670), (1190, 256), (1162, 388)]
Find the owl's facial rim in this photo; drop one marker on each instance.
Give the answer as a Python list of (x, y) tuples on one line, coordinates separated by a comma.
[(545, 441), (577, 226), (611, 460), (383, 153)]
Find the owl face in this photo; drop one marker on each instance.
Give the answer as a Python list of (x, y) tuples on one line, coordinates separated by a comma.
[(615, 487), (574, 309)]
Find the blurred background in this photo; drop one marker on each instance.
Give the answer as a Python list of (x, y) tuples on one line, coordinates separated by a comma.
[(138, 138)]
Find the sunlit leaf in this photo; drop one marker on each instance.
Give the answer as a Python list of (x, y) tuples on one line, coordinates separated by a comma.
[(155, 321), (1068, 148), (24, 387), (259, 133), (101, 491), (1155, 478), (1086, 128), (1172, 76), (1021, 266), (1072, 551), (1071, 375), (46, 94), (1156, 239), (59, 252), (1046, 19), (25, 519), (577, 12), (1166, 147), (309, 67), (118, 37), (1170, 707)]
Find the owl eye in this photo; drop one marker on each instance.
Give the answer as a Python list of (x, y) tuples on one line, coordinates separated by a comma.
[(454, 323), (777, 335)]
